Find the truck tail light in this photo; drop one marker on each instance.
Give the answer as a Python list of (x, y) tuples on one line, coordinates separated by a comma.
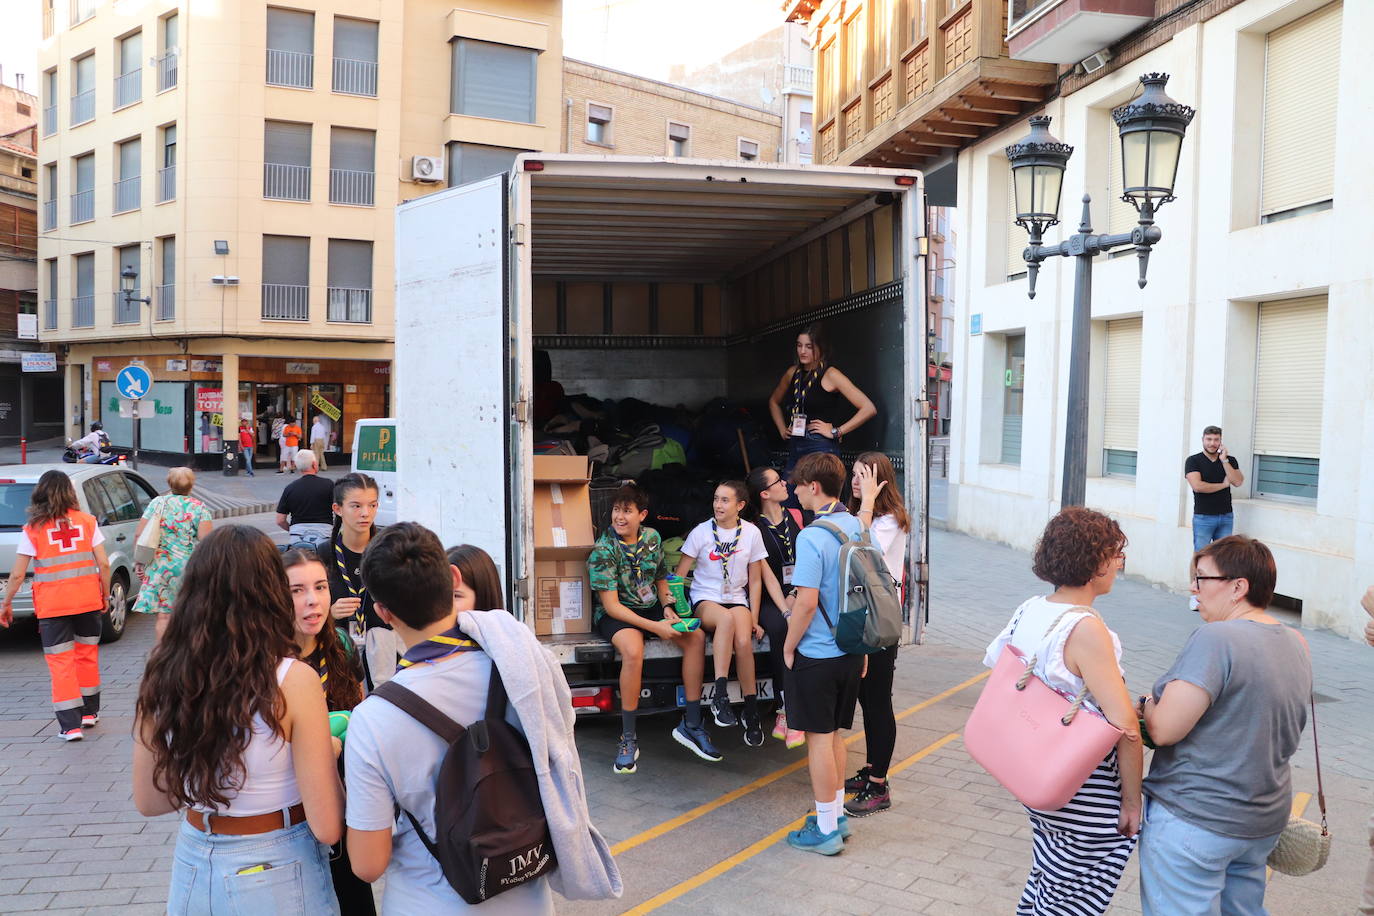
[(534, 165), (600, 699), (905, 181)]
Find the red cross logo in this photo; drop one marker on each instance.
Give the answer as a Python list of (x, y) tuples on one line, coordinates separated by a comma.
[(67, 535)]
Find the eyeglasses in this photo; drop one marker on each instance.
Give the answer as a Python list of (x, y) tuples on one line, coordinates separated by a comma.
[(1198, 580), (773, 484)]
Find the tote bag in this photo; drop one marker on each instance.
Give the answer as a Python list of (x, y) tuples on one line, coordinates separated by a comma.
[(1039, 745), (145, 548)]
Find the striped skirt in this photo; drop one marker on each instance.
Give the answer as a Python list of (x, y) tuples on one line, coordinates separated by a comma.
[(1079, 855)]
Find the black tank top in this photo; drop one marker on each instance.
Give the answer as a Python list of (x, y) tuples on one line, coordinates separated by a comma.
[(818, 404)]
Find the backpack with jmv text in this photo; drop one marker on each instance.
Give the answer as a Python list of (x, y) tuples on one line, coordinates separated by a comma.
[(490, 831), (869, 618)]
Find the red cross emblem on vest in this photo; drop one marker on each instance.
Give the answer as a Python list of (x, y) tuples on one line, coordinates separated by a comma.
[(64, 537)]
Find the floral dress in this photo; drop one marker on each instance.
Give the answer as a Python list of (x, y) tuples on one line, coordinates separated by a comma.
[(181, 519)]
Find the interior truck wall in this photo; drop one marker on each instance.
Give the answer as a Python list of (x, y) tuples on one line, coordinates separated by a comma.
[(690, 377)]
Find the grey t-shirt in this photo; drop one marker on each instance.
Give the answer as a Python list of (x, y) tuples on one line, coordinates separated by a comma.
[(1230, 774)]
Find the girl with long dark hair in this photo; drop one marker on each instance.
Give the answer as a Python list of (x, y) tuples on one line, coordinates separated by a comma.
[(767, 494), (479, 586), (234, 730), (355, 508)]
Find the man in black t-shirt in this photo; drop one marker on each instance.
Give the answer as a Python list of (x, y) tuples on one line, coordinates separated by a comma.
[(306, 507), (1211, 473)]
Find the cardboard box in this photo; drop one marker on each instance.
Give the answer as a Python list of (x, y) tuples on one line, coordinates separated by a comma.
[(563, 538)]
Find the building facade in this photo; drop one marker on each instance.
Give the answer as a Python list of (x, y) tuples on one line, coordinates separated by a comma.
[(1256, 317), (607, 112), (239, 163)]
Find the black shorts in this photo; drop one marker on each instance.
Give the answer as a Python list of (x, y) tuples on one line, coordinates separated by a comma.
[(821, 692), (698, 604), (608, 626)]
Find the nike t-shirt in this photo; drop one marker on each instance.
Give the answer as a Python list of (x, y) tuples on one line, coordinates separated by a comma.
[(709, 580)]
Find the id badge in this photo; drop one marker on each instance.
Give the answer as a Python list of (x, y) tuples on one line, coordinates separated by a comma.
[(355, 632), (787, 573), (646, 594), (799, 425)]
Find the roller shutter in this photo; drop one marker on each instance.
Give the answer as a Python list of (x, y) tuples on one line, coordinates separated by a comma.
[(1017, 238), (1121, 414), (1290, 368), (1301, 72)]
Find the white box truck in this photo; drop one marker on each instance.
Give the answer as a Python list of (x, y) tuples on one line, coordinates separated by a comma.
[(669, 280)]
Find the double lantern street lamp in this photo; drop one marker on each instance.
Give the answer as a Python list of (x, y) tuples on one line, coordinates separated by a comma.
[(1151, 128)]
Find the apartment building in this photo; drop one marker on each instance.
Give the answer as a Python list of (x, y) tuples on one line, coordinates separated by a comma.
[(608, 112), (217, 184), (1255, 318)]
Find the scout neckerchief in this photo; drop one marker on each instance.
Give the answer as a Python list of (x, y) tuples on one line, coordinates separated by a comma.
[(802, 380), (355, 589), (634, 553), (830, 508), (725, 551), (784, 539), (436, 647)]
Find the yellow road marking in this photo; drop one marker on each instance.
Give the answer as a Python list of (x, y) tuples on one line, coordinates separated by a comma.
[(687, 817), (1300, 800), (749, 852)]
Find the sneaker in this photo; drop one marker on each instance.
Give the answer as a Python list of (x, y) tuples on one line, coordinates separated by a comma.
[(810, 839), (722, 713), (71, 734), (795, 739), (626, 755), (856, 782), (871, 799), (697, 741), (780, 726), (845, 832), (90, 721), (753, 730), (279, 471)]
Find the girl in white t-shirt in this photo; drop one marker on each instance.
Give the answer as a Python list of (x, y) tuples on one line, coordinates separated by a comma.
[(728, 554)]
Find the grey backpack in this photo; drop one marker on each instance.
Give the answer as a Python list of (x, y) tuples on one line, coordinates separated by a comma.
[(869, 618)]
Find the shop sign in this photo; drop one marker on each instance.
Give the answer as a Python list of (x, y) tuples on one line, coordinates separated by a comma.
[(39, 362), (302, 368), (376, 448), (28, 327), (975, 324), (176, 365), (207, 365), (125, 407), (381, 370), (103, 365), (210, 399), (320, 403)]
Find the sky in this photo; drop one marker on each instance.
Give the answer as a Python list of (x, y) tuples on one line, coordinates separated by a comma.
[(19, 41)]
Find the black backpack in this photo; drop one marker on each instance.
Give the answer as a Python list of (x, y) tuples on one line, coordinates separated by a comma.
[(491, 832)]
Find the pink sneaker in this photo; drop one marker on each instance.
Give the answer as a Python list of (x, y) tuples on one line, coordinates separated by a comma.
[(780, 727), (795, 739)]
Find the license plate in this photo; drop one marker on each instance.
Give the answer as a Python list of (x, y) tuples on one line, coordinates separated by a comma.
[(708, 691)]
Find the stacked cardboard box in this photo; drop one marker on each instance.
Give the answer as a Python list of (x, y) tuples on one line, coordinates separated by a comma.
[(563, 538)]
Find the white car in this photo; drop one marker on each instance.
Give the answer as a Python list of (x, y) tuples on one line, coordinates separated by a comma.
[(115, 495)]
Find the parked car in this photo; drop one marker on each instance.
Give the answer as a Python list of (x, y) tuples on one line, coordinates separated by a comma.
[(116, 496)]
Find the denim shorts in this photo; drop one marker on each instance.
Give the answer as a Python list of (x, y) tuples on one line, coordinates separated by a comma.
[(206, 879)]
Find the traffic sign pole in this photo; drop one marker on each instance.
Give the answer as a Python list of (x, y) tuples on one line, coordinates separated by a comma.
[(138, 430), (135, 382)]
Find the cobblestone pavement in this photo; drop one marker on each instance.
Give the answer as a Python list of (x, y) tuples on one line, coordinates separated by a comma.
[(689, 836)]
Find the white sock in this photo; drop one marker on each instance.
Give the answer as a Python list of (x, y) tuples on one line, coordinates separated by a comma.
[(839, 799), (827, 817)]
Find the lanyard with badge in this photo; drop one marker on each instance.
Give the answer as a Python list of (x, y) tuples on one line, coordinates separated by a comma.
[(725, 551), (634, 558), (357, 624), (784, 539), (800, 389)]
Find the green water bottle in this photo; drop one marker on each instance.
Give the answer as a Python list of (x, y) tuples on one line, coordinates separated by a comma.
[(678, 586)]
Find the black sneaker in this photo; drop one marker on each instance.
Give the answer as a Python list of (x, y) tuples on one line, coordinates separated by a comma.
[(856, 782), (753, 730), (871, 799), (722, 713), (697, 741)]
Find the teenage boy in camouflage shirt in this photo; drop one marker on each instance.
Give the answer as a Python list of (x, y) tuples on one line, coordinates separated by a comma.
[(629, 580)]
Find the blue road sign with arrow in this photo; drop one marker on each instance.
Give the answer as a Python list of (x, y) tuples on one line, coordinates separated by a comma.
[(133, 382)]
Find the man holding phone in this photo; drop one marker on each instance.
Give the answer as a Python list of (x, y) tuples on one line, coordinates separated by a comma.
[(1211, 473)]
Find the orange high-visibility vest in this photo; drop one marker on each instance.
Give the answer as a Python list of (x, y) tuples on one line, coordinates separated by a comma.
[(66, 576)]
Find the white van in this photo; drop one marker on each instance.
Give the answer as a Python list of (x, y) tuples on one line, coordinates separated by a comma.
[(374, 454)]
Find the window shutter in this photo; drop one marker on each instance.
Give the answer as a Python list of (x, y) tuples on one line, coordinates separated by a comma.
[(131, 53), (678, 131), (1121, 416), (1290, 369), (748, 148), (1121, 216), (169, 32), (285, 260), (85, 173), (169, 146), (493, 81), (1301, 71), (85, 74), (599, 113), (128, 257), (169, 260), (85, 275), (290, 30), (472, 161), (350, 148), (350, 264), (130, 159), (355, 39), (286, 144), (1017, 238)]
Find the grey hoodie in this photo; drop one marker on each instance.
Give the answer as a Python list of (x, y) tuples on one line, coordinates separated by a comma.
[(539, 692)]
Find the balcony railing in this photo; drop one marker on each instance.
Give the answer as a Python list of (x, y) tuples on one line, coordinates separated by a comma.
[(127, 193), (285, 182), (799, 79), (49, 215), (83, 10), (127, 312), (83, 107), (290, 68), (166, 184), (83, 206), (347, 304), (167, 70), (128, 88), (281, 302), (347, 186), (49, 120), (83, 311), (355, 77), (49, 314), (166, 302)]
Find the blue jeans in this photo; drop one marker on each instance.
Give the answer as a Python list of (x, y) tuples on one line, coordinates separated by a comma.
[(1188, 871), (1209, 528), (797, 446), (205, 877), (247, 460)]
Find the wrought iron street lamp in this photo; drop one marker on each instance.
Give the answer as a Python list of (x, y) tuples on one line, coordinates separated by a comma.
[(128, 284), (1151, 128)]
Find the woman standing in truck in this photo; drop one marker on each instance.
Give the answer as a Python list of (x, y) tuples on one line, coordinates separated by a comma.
[(811, 399)]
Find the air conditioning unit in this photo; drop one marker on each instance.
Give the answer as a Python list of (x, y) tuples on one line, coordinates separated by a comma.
[(427, 169), (1094, 62)]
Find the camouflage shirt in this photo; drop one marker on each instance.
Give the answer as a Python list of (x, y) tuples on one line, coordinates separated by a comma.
[(629, 569)]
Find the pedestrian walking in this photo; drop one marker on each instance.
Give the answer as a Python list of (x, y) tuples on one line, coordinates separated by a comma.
[(1211, 474), (1080, 850), (354, 509), (479, 582), (71, 589), (877, 503), (1225, 720), (233, 730), (248, 440), (279, 424), (185, 521), (767, 497), (319, 439)]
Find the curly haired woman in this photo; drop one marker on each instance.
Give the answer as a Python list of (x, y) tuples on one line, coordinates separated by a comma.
[(1081, 849)]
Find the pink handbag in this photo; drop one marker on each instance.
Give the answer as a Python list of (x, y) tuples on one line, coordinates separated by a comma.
[(1032, 739)]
